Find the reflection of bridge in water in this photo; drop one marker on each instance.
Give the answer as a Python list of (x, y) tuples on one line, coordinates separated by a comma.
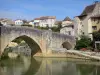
[(42, 40), (49, 66)]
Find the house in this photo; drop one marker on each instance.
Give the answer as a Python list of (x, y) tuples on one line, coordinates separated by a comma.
[(68, 30), (66, 22), (7, 22), (37, 22), (58, 23), (67, 27), (45, 21), (31, 23), (88, 21), (18, 22)]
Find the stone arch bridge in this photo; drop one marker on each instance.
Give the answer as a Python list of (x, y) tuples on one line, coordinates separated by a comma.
[(45, 40)]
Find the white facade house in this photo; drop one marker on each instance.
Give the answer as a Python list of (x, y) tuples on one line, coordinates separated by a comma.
[(19, 22), (67, 27), (6, 22), (88, 21), (37, 22), (45, 21)]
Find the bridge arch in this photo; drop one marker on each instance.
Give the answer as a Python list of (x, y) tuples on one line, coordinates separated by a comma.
[(32, 43), (67, 45)]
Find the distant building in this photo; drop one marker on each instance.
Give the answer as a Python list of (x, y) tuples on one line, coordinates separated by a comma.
[(7, 22), (37, 22), (67, 27), (66, 21), (45, 21), (69, 30), (19, 22), (88, 21), (58, 23), (31, 23)]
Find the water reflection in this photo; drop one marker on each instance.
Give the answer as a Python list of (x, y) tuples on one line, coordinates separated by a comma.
[(48, 66)]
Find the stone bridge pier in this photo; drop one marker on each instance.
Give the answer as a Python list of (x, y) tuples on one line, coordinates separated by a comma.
[(36, 39)]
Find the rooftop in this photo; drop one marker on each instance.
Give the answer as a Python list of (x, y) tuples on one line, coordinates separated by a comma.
[(45, 17), (89, 9), (67, 19)]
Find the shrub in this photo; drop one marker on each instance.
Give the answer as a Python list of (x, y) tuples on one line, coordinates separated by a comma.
[(84, 42)]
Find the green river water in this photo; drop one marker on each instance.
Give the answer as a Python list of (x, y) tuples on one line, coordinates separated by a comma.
[(48, 66)]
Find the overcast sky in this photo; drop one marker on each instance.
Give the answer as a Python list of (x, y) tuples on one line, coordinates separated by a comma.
[(30, 9)]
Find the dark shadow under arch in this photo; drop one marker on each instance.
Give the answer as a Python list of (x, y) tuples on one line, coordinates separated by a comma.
[(67, 45), (31, 43)]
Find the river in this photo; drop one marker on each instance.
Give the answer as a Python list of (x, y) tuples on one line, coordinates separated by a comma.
[(49, 66)]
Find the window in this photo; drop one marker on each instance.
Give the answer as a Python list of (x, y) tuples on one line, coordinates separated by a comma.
[(69, 32), (83, 33), (94, 27)]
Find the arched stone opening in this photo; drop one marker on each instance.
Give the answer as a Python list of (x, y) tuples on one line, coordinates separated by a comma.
[(33, 45), (67, 45)]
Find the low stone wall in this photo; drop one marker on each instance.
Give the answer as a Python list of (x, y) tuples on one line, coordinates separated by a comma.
[(71, 54)]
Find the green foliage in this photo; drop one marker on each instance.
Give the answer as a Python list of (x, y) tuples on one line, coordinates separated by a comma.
[(27, 25), (96, 35), (84, 42), (54, 29), (18, 40), (5, 54)]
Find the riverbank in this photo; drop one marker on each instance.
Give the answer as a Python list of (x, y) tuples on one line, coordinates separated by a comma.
[(72, 54)]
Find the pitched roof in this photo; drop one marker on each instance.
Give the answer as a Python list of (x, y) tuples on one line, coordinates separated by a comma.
[(67, 19), (88, 9), (37, 19), (45, 17)]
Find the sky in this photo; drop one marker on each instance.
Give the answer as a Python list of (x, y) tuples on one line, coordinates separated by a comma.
[(30, 9)]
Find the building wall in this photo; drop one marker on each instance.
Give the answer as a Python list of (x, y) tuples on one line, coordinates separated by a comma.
[(67, 30), (4, 23), (47, 22), (18, 22), (95, 23), (90, 28), (83, 26), (77, 27), (64, 23)]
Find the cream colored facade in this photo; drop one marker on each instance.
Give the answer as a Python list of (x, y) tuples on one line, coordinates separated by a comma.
[(85, 24), (67, 27), (64, 23), (67, 30)]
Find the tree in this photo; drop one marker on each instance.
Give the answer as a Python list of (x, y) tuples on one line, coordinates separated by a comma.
[(96, 36), (59, 26), (24, 21), (84, 42)]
